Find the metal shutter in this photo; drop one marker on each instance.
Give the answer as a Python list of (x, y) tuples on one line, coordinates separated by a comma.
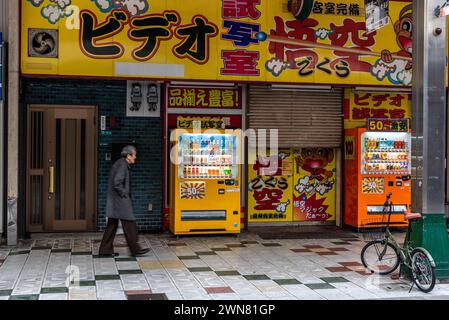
[(304, 119)]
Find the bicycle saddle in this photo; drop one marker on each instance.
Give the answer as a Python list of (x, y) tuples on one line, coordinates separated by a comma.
[(412, 216)]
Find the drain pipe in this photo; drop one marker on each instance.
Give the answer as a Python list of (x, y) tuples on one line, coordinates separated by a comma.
[(13, 120)]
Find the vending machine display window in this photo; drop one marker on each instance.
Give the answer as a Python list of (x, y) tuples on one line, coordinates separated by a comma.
[(386, 153), (207, 156)]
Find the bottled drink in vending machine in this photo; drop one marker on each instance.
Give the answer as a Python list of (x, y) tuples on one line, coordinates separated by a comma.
[(223, 146)]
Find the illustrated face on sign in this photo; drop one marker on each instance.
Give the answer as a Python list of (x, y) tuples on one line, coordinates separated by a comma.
[(404, 32), (315, 160)]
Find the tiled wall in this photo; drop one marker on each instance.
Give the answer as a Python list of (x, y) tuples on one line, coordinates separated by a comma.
[(110, 97)]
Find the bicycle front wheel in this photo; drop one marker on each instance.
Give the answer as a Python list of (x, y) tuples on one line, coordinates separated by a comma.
[(423, 271), (380, 257)]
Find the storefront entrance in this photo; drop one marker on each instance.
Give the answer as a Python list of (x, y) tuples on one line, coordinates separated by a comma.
[(61, 185), (300, 182)]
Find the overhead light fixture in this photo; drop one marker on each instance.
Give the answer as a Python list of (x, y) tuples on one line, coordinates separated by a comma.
[(382, 89), (292, 87), (202, 84)]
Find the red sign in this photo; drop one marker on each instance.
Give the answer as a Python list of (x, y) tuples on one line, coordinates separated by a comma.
[(222, 98)]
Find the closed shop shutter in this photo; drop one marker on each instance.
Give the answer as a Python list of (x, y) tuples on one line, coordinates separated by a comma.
[(304, 119)]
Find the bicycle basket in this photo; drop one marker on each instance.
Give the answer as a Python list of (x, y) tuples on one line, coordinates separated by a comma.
[(373, 229)]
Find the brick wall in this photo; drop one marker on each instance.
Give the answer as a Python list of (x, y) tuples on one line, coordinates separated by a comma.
[(110, 97)]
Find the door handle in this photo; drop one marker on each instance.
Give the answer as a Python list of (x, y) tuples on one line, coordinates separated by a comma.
[(51, 185)]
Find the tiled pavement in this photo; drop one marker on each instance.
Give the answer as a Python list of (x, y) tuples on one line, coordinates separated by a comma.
[(244, 267)]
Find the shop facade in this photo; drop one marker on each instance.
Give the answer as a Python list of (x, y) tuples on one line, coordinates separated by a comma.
[(305, 185), (105, 75)]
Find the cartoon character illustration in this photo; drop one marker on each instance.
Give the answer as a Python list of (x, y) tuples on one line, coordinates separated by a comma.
[(404, 33), (134, 7), (309, 186), (314, 161), (282, 207)]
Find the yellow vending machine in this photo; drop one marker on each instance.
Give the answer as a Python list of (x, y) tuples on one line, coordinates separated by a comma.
[(205, 182)]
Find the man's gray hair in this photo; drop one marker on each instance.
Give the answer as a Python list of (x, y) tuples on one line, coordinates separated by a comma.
[(128, 150)]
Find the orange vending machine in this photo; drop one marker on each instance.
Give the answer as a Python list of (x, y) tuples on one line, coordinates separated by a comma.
[(377, 161), (205, 183)]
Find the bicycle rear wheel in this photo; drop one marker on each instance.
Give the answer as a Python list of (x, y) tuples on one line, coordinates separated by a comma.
[(423, 271), (380, 257)]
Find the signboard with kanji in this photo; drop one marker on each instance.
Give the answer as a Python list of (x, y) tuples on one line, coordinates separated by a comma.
[(270, 187), (394, 125), (224, 40), (204, 98), (205, 123), (360, 106)]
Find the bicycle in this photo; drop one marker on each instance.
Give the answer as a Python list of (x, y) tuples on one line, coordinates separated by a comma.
[(383, 255)]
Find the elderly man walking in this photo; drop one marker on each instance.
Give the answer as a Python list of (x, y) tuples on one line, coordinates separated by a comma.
[(119, 206)]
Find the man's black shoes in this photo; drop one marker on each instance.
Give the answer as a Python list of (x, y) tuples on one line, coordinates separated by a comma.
[(108, 255), (141, 252)]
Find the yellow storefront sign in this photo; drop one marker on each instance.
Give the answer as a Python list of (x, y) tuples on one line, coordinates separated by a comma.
[(230, 40), (361, 106)]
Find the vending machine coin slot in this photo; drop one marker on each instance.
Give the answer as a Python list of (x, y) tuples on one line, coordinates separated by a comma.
[(220, 182), (390, 183), (235, 212)]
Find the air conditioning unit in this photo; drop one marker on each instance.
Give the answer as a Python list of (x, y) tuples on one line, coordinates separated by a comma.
[(43, 43)]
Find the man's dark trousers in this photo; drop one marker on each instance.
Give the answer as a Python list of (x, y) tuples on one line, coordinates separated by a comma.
[(130, 231)]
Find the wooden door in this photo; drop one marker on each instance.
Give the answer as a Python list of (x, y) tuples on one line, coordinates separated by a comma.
[(61, 168)]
